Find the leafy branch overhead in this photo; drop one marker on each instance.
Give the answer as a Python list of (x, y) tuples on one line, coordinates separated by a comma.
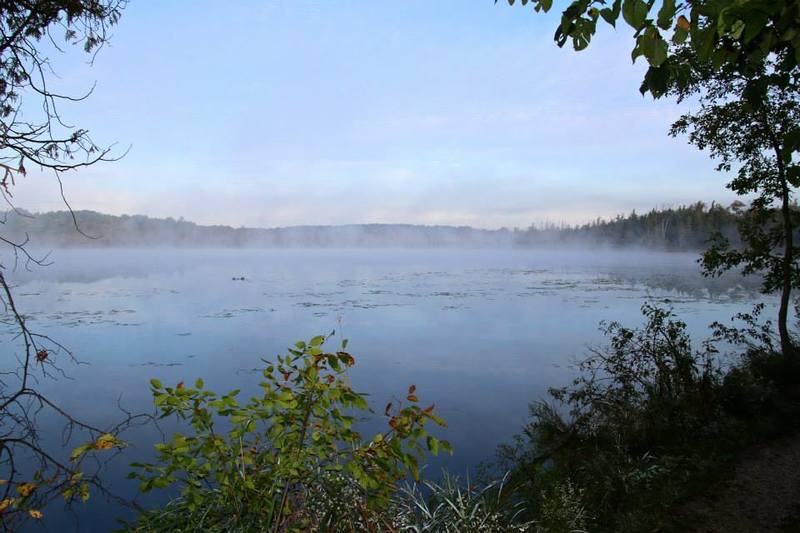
[(739, 58), (43, 139), (35, 135), (739, 33)]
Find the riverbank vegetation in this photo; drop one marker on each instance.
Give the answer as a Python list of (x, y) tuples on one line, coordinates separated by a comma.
[(647, 421), (651, 416)]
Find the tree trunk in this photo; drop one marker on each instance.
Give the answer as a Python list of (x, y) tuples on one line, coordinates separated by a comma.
[(788, 266), (787, 346)]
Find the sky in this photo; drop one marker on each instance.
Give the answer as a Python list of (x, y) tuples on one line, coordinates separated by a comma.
[(273, 113)]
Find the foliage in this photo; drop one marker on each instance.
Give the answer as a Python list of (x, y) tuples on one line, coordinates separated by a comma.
[(648, 386), (740, 57), (26, 491), (26, 73), (33, 134), (681, 228), (280, 452), (562, 509), (647, 417), (738, 34), (756, 137), (54, 229)]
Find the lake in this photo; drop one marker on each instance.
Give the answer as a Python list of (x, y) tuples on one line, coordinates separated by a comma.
[(481, 333)]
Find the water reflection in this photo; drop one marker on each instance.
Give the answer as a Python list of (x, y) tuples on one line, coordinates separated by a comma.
[(479, 332)]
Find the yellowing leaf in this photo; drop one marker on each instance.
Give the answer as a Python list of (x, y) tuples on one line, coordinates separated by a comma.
[(683, 22), (84, 492), (77, 452), (26, 488), (35, 514), (5, 504), (105, 442)]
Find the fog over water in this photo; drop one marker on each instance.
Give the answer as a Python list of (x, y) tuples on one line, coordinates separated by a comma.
[(480, 332)]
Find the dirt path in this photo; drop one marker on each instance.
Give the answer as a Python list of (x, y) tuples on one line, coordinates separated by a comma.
[(762, 493)]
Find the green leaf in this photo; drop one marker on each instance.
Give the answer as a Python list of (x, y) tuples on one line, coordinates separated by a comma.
[(608, 16), (411, 461), (793, 175), (156, 384), (316, 341), (433, 445), (666, 14), (791, 144), (436, 419), (756, 22), (635, 13), (198, 384), (79, 451), (659, 53), (703, 42), (680, 35), (737, 29), (445, 445)]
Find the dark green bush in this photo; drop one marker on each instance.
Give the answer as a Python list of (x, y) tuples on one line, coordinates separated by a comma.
[(647, 416)]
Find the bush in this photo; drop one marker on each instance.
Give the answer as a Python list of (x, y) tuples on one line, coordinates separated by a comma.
[(289, 459), (646, 417)]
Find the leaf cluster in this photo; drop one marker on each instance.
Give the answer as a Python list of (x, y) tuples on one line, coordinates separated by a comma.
[(259, 463), (740, 34), (756, 140)]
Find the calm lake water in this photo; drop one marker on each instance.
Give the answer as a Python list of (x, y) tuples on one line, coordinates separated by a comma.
[(481, 333)]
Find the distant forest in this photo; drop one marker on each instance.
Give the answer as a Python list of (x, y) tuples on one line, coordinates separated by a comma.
[(681, 228)]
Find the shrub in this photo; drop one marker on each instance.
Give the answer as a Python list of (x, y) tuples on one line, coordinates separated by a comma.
[(629, 431), (289, 459), (562, 509)]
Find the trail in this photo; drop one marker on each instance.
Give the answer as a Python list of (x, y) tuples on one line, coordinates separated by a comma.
[(761, 493)]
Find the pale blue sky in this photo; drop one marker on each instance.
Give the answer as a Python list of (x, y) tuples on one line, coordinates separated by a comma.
[(271, 113)]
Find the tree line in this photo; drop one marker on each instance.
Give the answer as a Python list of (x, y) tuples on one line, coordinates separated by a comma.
[(682, 228), (687, 228)]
